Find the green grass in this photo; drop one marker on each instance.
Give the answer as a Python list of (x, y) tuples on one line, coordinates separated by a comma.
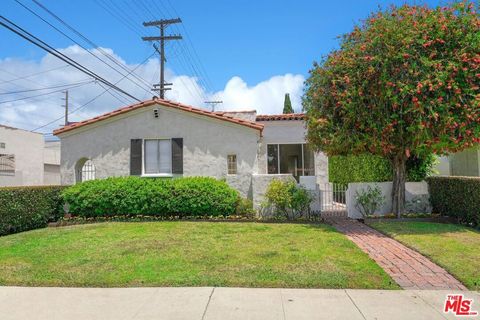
[(454, 247), (188, 254)]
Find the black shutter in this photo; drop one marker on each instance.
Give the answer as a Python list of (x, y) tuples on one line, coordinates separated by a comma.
[(136, 157), (177, 155)]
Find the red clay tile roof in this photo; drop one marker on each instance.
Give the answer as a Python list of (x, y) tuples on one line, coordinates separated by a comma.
[(240, 111), (165, 103), (276, 117)]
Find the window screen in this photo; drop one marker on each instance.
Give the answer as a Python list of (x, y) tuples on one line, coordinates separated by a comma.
[(7, 164), (232, 163), (158, 156)]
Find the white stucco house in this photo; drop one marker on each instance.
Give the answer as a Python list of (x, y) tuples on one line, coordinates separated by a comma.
[(26, 159), (161, 138)]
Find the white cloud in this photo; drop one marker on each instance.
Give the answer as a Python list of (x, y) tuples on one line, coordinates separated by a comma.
[(266, 97)]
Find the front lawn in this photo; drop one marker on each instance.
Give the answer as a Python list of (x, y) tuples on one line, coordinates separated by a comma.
[(188, 254), (454, 247)]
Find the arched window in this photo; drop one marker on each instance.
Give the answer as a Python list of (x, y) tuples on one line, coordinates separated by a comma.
[(85, 170), (88, 171)]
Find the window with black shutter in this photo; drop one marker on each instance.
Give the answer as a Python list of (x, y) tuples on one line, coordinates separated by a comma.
[(177, 155), (136, 157), (156, 157)]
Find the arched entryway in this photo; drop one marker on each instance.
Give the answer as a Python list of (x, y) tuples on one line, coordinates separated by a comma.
[(84, 170)]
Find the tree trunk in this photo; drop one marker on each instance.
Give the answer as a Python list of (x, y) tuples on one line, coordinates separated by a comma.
[(398, 187)]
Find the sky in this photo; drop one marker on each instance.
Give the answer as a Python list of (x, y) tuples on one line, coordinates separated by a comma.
[(246, 53)]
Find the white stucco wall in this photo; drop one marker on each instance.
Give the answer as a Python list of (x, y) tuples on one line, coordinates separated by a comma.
[(206, 144), (51, 174), (412, 189), (51, 159), (260, 183), (51, 153), (289, 131), (28, 150)]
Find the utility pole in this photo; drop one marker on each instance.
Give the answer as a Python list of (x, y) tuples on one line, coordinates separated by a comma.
[(66, 106), (162, 24), (213, 103)]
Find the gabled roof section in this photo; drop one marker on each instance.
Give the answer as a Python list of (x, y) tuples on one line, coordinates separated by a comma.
[(281, 117), (164, 103)]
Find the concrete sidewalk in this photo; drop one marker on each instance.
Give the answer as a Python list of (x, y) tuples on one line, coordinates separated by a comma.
[(222, 303)]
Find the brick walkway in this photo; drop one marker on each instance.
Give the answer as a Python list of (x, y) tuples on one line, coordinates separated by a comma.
[(407, 267)]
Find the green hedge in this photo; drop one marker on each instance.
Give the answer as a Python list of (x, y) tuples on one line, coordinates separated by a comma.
[(361, 168), (457, 197), (26, 208), (371, 168), (195, 196)]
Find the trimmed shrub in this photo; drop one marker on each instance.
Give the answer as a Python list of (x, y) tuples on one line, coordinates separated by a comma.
[(202, 196), (372, 168), (195, 196), (287, 200), (457, 197), (26, 208)]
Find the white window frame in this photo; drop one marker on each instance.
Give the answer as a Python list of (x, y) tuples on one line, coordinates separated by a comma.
[(153, 175), (236, 164), (278, 158)]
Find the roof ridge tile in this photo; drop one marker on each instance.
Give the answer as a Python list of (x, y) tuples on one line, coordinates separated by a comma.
[(162, 102)]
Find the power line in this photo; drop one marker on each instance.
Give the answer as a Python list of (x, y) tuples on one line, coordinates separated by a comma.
[(186, 59), (30, 75), (46, 88), (182, 60), (99, 48), (119, 16), (162, 24), (43, 45), (94, 98), (203, 72), (76, 42), (44, 94)]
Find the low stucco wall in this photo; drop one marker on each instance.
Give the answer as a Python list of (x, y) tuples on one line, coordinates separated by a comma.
[(260, 184), (412, 190)]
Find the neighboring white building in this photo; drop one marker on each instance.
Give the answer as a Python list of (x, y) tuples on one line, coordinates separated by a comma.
[(160, 138), (26, 159), (51, 163), (464, 163)]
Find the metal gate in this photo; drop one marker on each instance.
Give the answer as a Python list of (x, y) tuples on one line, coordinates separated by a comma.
[(333, 200)]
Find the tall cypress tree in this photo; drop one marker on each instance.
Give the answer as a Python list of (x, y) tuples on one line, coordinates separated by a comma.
[(287, 104)]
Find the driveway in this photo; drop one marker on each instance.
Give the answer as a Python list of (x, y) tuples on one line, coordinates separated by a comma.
[(222, 303)]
